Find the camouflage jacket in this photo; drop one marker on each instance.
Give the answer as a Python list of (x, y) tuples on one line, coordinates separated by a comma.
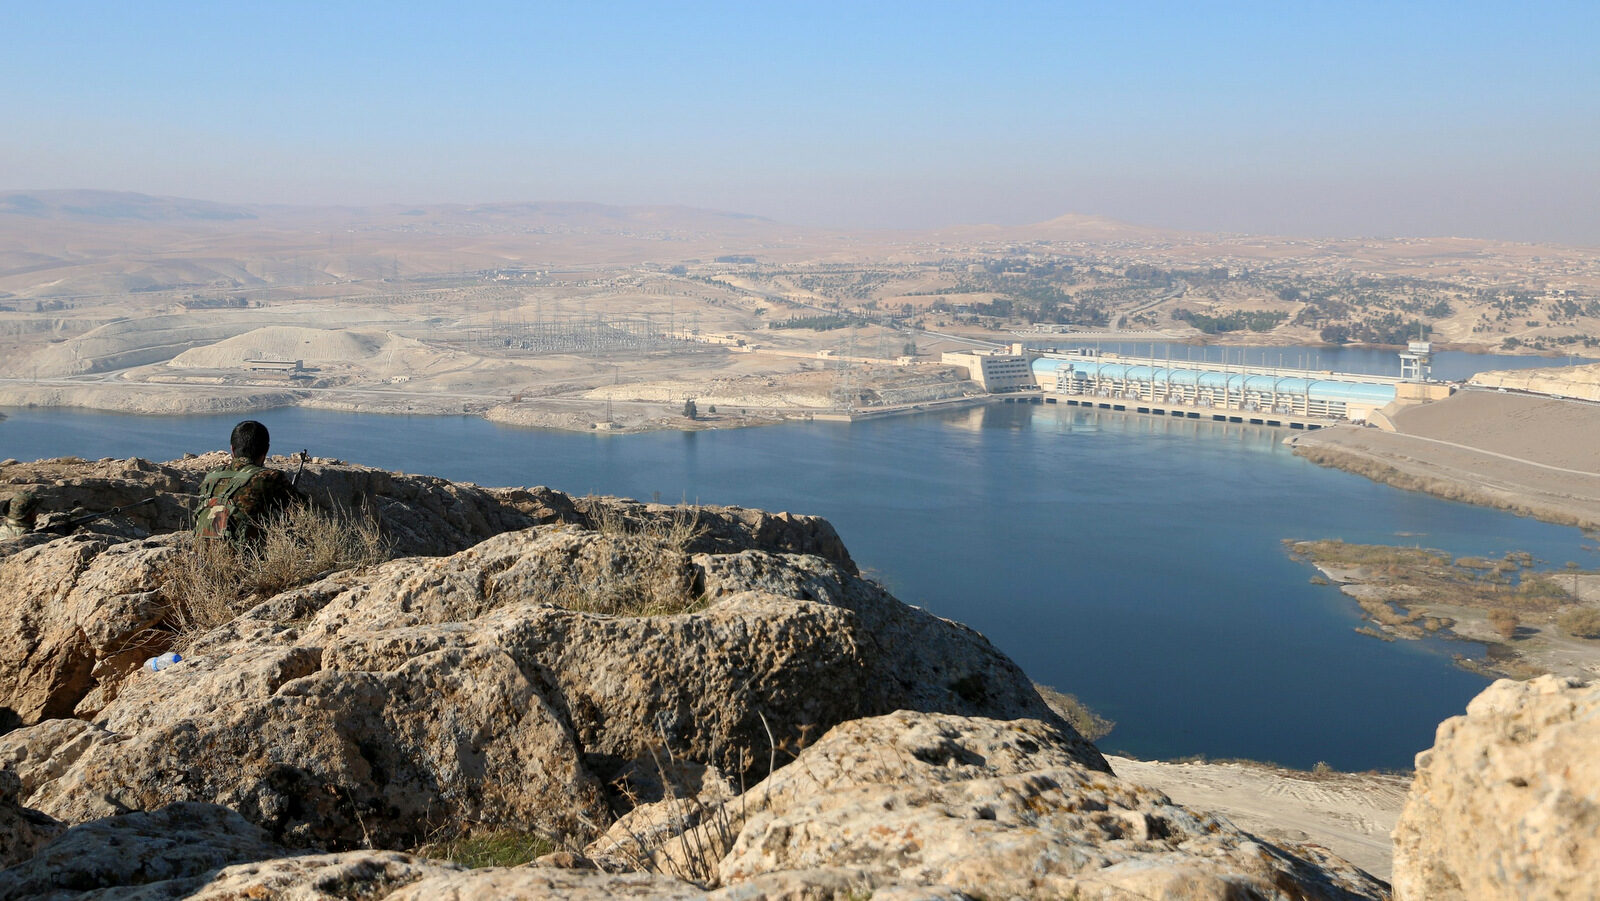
[(267, 494), (10, 528)]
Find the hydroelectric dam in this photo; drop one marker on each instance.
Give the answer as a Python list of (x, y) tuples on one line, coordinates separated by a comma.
[(1224, 392)]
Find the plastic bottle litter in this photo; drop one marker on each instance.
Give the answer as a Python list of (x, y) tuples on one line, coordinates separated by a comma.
[(156, 664)]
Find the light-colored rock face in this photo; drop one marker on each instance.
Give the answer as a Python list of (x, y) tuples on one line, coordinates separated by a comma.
[(76, 612), (385, 704), (543, 884), (78, 615), (916, 802), (179, 842), (180, 872), (1569, 381), (1507, 802), (903, 806)]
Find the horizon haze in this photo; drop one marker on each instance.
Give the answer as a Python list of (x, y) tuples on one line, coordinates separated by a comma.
[(1319, 120)]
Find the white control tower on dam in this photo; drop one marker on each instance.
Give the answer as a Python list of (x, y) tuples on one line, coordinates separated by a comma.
[(1296, 398)]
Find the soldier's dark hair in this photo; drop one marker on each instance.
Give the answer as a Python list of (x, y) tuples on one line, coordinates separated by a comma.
[(249, 440)]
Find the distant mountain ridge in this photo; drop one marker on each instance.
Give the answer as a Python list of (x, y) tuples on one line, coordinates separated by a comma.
[(92, 206), (113, 205)]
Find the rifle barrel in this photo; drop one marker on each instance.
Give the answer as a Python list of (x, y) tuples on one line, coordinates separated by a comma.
[(90, 517)]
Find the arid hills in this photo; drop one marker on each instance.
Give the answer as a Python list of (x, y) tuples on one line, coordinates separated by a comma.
[(581, 315)]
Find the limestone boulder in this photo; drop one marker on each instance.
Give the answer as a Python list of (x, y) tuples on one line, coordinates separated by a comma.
[(22, 831), (79, 614), (1507, 802), (545, 884), (177, 843), (342, 758), (382, 705), (929, 805), (75, 613), (41, 754), (364, 875)]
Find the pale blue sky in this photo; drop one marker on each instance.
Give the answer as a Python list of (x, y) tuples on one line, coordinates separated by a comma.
[(1325, 118)]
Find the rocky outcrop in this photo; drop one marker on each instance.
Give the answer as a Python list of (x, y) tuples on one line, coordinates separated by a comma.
[(22, 831), (907, 805), (1507, 802), (987, 808), (380, 705), (597, 670), (79, 614), (177, 843), (420, 515), (1582, 381)]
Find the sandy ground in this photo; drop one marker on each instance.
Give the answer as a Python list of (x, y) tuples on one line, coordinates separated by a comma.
[(1558, 433), (346, 357), (1350, 814), (1531, 455)]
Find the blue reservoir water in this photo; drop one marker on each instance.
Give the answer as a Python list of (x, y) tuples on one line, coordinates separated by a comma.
[(1131, 560)]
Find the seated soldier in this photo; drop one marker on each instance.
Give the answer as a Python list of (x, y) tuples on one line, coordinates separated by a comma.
[(237, 503), (21, 512)]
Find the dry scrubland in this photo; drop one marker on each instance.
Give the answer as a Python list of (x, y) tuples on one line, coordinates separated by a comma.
[(567, 315), (1533, 618)]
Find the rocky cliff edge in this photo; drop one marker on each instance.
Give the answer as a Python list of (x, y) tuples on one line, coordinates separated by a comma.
[(796, 732)]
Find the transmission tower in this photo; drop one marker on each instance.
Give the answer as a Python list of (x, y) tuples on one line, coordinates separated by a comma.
[(846, 365)]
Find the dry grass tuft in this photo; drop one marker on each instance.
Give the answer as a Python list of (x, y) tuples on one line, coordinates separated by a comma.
[(490, 848), (208, 583), (642, 568), (687, 833)]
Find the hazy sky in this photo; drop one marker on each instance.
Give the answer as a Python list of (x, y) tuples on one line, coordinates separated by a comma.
[(1325, 118)]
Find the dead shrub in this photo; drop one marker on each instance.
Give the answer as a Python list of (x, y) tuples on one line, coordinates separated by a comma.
[(1504, 622), (1583, 622), (208, 583)]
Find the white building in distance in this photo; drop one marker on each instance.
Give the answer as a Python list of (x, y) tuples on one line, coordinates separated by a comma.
[(996, 371)]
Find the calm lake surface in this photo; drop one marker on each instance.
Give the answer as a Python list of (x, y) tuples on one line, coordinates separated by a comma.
[(1134, 561)]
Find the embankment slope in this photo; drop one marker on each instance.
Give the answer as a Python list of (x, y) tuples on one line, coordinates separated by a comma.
[(1535, 456)]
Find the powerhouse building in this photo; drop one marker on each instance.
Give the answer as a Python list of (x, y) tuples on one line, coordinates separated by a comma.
[(1251, 389)]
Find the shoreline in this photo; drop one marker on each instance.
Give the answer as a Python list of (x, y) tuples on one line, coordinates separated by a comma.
[(1415, 593), (1410, 462), (568, 415), (1472, 478)]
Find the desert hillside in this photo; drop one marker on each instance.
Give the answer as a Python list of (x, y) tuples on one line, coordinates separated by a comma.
[(522, 312)]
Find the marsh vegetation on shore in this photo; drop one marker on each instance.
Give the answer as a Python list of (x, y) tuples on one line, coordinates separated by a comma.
[(1531, 619)]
